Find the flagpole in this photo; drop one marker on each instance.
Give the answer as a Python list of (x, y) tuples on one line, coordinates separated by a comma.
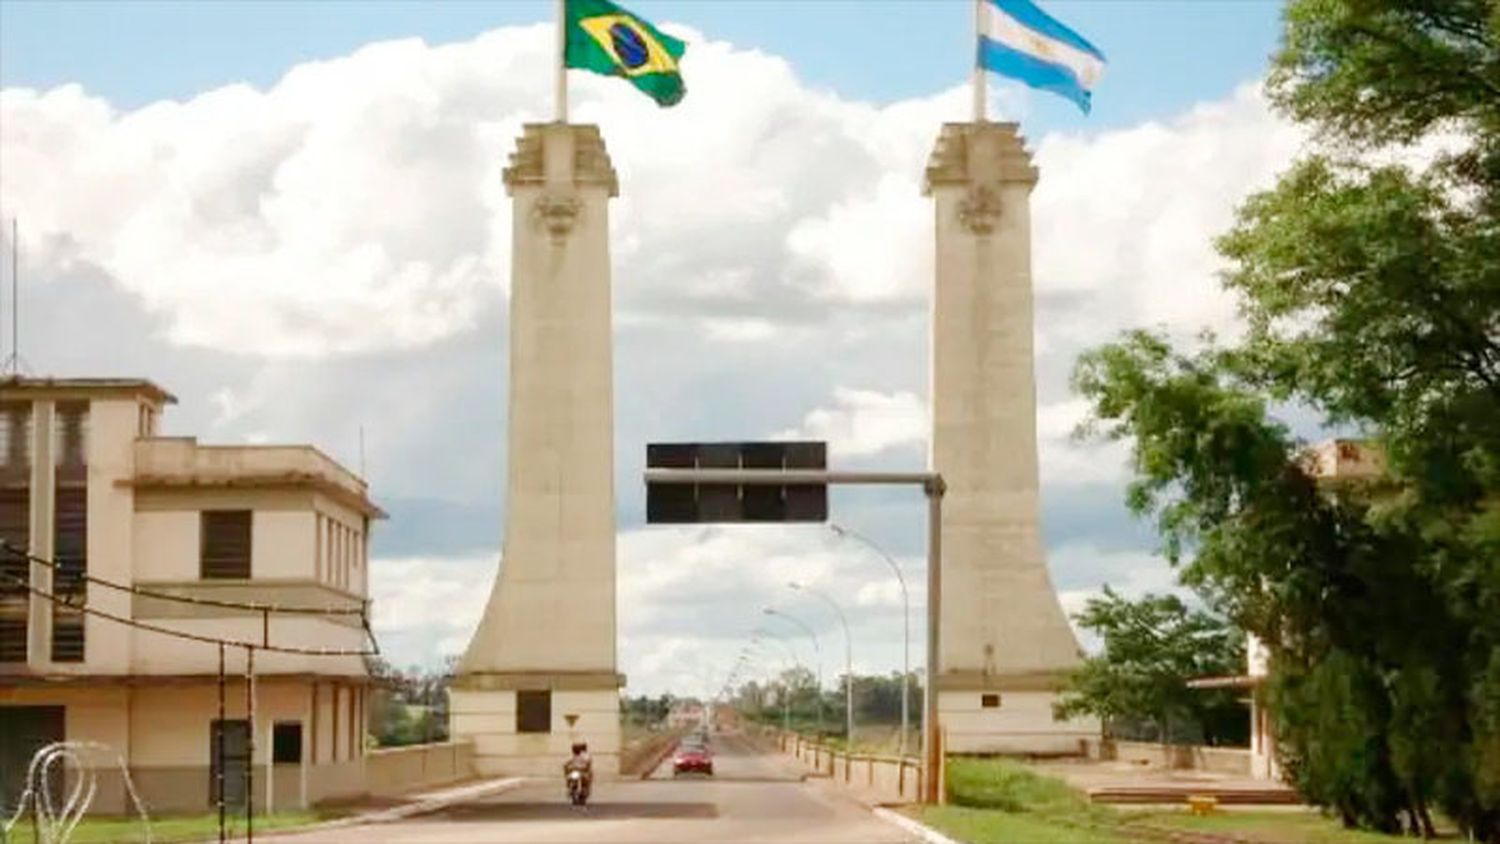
[(560, 96), (979, 79)]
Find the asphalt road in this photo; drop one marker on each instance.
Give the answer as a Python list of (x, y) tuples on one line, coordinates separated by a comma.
[(752, 798)]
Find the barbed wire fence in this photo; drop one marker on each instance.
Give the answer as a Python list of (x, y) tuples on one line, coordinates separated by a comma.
[(59, 825)]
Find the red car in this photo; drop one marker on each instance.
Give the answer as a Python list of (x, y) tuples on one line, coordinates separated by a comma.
[(692, 759)]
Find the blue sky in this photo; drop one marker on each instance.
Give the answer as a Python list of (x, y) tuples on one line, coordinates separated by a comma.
[(1164, 54), (302, 261)]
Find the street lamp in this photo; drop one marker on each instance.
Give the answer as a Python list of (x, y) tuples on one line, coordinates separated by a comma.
[(848, 661), (792, 662), (844, 532), (786, 706), (817, 653)]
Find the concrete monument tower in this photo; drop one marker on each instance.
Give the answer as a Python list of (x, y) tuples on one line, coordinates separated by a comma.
[(541, 669), (1004, 639)]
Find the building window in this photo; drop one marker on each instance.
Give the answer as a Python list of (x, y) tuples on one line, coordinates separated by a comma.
[(15, 528), (70, 529), (354, 729), (70, 449), (67, 634), (286, 743), (15, 439), (70, 539), (224, 549), (534, 712), (12, 631), (990, 701)]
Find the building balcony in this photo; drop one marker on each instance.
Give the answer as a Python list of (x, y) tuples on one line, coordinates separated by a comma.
[(180, 462)]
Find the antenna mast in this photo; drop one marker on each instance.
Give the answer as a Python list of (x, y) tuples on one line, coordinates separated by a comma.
[(13, 364)]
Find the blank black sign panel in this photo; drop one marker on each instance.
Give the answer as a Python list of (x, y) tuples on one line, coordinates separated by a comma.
[(704, 503)]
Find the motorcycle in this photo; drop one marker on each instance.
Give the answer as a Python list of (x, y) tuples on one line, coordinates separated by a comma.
[(578, 788)]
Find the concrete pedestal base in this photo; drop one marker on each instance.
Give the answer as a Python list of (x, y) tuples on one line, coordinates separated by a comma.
[(489, 718), (1021, 724)]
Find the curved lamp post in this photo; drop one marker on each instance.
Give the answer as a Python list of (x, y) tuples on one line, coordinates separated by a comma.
[(817, 653), (905, 626), (848, 660), (791, 661), (786, 702)]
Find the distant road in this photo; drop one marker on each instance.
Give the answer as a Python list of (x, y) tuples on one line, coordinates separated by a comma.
[(753, 799)]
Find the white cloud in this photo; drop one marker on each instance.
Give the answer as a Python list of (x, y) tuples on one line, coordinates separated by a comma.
[(865, 422), (332, 253), (1131, 573), (427, 602)]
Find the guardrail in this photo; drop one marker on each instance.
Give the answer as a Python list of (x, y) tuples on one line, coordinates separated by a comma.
[(641, 759), (884, 778)]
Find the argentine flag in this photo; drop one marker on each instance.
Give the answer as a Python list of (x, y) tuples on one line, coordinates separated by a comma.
[(1019, 40)]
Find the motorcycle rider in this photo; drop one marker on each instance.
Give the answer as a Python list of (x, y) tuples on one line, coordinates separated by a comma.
[(582, 762)]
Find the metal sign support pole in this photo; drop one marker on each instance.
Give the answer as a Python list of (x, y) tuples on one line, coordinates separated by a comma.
[(931, 746), (931, 484), (249, 744), (219, 750)]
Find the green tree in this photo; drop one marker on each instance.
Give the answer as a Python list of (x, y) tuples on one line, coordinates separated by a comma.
[(1371, 296), (1152, 647)]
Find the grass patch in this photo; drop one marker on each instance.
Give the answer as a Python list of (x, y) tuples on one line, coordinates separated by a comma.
[(168, 829), (1012, 787), (998, 800), (989, 826)]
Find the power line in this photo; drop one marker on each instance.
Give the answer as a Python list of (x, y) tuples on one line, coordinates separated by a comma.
[(265, 610), (249, 606)]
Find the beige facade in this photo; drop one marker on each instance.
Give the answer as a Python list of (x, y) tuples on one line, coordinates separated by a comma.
[(541, 671), (89, 484), (1006, 644)]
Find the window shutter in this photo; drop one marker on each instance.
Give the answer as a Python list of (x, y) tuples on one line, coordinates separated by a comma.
[(225, 550)]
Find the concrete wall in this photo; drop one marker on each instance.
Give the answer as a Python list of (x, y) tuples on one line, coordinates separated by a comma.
[(112, 427), (1220, 760), (1022, 724), (282, 532), (163, 734), (182, 458), (400, 769), (489, 719)]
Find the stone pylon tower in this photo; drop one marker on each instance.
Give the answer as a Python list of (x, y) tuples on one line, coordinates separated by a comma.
[(1005, 640), (541, 669)]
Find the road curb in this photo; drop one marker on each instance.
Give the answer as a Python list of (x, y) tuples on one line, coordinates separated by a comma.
[(396, 813), (917, 828)]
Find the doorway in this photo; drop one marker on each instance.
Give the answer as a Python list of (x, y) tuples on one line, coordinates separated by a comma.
[(23, 731), (228, 750)]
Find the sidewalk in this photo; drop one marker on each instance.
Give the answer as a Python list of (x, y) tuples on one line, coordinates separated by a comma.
[(1123, 782), (387, 809)]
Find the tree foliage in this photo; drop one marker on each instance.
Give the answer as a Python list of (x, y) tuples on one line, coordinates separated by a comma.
[(1370, 293), (1152, 647)]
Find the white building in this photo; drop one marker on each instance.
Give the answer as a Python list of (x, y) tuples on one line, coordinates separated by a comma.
[(86, 482), (1330, 462)]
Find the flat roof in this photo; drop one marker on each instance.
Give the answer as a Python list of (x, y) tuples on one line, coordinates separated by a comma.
[(1239, 681), (88, 386)]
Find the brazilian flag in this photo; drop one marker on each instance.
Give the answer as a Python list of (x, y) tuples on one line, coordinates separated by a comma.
[(608, 40)]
